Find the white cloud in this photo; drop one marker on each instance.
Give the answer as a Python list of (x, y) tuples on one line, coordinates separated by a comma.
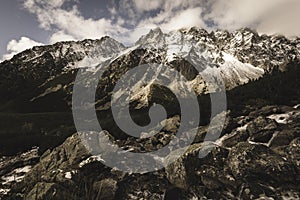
[(187, 18), (172, 14), (233, 14), (143, 5), (60, 36), (16, 46), (267, 16), (282, 20), (70, 22), (180, 5)]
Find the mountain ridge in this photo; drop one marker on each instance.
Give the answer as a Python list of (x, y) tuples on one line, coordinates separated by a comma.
[(239, 57)]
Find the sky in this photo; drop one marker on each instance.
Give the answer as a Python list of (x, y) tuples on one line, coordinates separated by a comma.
[(27, 23)]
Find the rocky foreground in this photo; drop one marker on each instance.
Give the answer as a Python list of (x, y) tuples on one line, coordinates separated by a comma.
[(258, 156)]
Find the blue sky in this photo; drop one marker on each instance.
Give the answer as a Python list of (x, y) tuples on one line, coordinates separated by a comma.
[(16, 22), (26, 23)]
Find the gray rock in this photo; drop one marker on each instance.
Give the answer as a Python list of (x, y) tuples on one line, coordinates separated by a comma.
[(261, 124), (258, 162), (105, 189)]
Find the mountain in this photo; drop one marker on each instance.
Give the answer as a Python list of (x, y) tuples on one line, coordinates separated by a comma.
[(256, 155), (239, 57)]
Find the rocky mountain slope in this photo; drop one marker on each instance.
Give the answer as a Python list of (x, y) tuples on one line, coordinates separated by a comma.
[(257, 155), (43, 72)]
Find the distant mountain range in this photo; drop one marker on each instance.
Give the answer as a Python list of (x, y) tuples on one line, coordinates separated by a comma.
[(40, 73)]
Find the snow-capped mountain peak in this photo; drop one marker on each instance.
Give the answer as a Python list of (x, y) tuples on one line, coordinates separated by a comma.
[(240, 57), (154, 36)]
